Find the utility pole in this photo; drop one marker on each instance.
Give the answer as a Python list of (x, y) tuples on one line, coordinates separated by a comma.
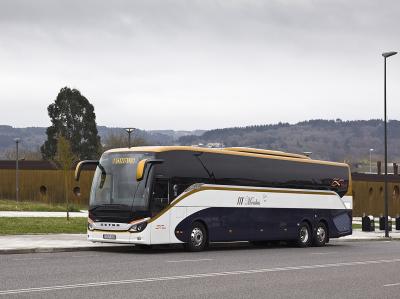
[(386, 55), (370, 160), (17, 140), (129, 131)]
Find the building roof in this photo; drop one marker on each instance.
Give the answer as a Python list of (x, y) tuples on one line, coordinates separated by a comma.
[(370, 177), (33, 165)]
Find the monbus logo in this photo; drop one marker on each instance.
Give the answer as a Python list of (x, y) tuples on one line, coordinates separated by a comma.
[(240, 200), (336, 183)]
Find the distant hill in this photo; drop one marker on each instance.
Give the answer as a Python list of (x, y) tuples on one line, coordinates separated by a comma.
[(333, 140), (33, 137)]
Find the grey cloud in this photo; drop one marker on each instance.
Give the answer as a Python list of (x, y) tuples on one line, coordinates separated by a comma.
[(215, 53)]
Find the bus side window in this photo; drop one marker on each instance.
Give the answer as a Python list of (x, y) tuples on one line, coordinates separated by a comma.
[(179, 185), (160, 196)]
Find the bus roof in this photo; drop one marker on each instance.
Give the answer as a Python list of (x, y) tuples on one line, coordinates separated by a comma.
[(265, 152), (238, 151)]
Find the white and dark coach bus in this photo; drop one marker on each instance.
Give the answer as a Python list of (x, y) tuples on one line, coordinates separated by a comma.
[(196, 196)]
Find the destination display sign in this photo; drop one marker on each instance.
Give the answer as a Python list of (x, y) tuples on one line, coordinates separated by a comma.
[(121, 160)]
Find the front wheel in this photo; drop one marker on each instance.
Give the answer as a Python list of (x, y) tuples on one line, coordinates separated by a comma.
[(198, 237), (321, 235), (303, 235)]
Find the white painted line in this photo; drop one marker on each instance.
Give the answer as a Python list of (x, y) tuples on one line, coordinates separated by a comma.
[(392, 284), (191, 276), (180, 261), (331, 252), (29, 259)]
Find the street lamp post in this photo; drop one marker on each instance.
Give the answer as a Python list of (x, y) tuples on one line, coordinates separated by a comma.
[(129, 131), (385, 56), (17, 140), (370, 160)]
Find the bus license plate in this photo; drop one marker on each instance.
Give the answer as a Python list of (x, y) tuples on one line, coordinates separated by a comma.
[(109, 236)]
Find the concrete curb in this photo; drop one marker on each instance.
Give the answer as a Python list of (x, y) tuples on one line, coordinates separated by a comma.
[(62, 249), (367, 239), (124, 247)]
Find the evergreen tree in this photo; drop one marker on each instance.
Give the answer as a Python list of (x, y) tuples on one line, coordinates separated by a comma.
[(73, 117)]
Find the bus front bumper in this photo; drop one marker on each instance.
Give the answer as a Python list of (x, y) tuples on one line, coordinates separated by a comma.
[(118, 237)]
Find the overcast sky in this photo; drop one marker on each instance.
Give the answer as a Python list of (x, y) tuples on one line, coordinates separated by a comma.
[(199, 64)]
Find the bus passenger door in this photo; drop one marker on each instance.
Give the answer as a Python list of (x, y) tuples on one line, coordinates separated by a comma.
[(177, 214), (158, 202)]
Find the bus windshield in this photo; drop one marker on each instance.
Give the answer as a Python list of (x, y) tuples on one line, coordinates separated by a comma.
[(114, 181)]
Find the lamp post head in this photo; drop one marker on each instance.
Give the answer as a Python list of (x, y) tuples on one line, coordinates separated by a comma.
[(388, 54), (371, 149), (17, 140), (129, 130)]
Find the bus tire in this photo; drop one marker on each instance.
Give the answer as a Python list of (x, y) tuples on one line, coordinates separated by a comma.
[(320, 237), (304, 236), (198, 238)]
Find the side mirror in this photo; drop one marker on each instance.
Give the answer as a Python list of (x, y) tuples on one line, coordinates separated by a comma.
[(79, 166), (141, 167)]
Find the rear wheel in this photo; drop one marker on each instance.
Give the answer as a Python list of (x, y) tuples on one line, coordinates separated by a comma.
[(198, 238), (303, 235), (320, 237)]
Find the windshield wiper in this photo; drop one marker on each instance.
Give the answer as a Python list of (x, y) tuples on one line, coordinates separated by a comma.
[(210, 174), (108, 205)]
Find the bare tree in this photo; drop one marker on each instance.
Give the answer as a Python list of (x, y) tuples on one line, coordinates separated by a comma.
[(118, 139), (10, 154), (65, 158)]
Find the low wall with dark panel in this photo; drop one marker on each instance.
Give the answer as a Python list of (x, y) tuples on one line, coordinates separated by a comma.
[(41, 181), (368, 194)]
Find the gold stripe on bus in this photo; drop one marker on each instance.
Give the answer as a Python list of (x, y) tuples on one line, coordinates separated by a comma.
[(162, 212), (350, 186)]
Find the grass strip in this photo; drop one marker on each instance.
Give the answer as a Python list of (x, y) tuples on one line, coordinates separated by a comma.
[(12, 205), (41, 225)]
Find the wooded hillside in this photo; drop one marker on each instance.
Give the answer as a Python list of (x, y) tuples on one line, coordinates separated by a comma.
[(334, 140)]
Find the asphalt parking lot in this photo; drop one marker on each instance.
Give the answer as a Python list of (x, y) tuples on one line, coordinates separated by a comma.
[(340, 270)]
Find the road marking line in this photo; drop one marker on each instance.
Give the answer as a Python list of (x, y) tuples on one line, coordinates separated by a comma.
[(85, 255), (392, 284), (180, 261), (324, 252), (191, 276), (29, 259)]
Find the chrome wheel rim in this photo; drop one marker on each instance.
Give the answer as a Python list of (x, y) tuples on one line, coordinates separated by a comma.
[(196, 237), (321, 234), (304, 235)]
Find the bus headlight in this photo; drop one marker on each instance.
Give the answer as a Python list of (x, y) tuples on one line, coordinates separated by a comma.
[(90, 226), (139, 227)]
